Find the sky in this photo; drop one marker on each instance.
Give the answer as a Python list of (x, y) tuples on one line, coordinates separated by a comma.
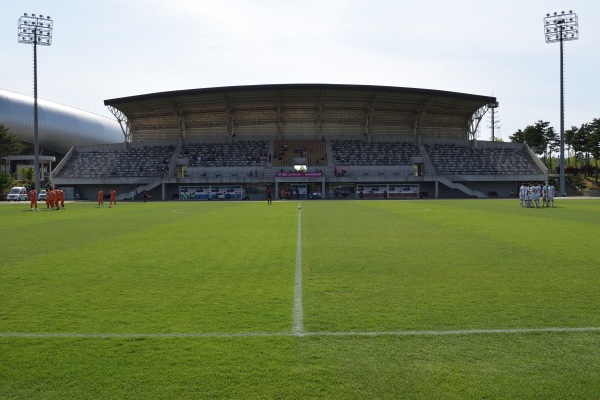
[(106, 49)]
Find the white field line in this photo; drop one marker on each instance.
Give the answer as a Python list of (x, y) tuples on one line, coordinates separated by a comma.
[(176, 335), (298, 314)]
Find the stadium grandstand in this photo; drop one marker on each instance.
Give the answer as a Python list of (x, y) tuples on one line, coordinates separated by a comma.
[(307, 141)]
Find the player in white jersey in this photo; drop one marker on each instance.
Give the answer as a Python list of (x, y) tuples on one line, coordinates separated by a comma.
[(522, 195), (545, 202), (537, 191), (550, 195), (528, 195)]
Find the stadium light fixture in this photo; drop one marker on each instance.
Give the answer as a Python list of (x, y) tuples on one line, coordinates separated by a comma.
[(37, 31), (560, 28)]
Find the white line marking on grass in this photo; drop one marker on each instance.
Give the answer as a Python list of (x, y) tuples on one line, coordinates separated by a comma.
[(456, 332), (298, 316), (175, 335)]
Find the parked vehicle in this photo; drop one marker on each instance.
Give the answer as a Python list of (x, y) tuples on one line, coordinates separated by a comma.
[(18, 193), (42, 195)]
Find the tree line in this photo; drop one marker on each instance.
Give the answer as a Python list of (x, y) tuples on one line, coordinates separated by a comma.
[(9, 145), (583, 145)]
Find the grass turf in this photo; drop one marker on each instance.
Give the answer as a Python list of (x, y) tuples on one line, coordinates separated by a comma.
[(224, 272)]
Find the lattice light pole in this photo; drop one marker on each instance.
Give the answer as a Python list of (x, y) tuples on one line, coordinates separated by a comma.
[(36, 30), (560, 28)]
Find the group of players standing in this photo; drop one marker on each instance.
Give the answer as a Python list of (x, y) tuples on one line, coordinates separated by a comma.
[(530, 194), (113, 197), (55, 199)]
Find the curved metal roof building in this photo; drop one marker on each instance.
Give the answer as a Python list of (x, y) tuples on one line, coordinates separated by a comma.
[(300, 110), (60, 127)]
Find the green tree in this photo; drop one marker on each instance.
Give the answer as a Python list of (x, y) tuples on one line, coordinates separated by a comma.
[(576, 137), (593, 141), (517, 137), (6, 181), (535, 136), (583, 134), (9, 144), (570, 135), (552, 144), (28, 173)]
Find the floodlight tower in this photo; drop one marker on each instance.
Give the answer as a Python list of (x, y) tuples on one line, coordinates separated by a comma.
[(493, 106), (559, 28), (36, 30)]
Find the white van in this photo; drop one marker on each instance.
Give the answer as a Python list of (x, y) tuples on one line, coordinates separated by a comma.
[(18, 193)]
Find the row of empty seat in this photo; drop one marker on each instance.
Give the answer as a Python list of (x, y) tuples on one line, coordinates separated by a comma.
[(446, 159), (135, 162), (314, 151), (451, 159), (253, 153), (355, 152)]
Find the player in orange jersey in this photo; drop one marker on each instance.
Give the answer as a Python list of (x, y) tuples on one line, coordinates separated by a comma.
[(50, 198), (33, 199), (100, 198), (47, 199), (113, 197), (60, 198)]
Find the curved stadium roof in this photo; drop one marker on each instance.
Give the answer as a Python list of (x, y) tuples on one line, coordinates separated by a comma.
[(301, 109), (59, 127)]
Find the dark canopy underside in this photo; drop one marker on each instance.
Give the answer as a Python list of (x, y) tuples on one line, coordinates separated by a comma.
[(311, 110)]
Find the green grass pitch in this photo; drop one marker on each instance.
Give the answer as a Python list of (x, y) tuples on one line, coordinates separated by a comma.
[(453, 299)]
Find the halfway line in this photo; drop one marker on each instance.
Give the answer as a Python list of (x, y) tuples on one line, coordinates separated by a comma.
[(298, 317)]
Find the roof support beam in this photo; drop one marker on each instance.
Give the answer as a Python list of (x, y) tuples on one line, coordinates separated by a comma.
[(420, 116), (473, 123), (123, 122), (320, 115), (279, 119), (369, 117), (230, 120), (180, 117)]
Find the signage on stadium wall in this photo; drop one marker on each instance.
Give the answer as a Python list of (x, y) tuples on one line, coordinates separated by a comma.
[(217, 192), (398, 191), (299, 174)]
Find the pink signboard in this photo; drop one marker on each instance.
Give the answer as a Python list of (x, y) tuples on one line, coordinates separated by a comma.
[(299, 174)]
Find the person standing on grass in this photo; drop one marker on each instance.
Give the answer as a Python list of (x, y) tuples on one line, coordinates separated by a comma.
[(113, 197), (33, 199), (269, 195), (522, 195), (60, 198), (550, 195), (146, 195), (535, 195), (528, 195), (100, 198), (48, 189), (51, 196)]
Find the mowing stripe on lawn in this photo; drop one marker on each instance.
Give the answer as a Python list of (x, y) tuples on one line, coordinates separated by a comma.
[(298, 317), (75, 335)]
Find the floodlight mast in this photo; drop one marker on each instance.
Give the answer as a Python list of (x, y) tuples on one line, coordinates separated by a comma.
[(36, 30), (493, 106), (560, 28)]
